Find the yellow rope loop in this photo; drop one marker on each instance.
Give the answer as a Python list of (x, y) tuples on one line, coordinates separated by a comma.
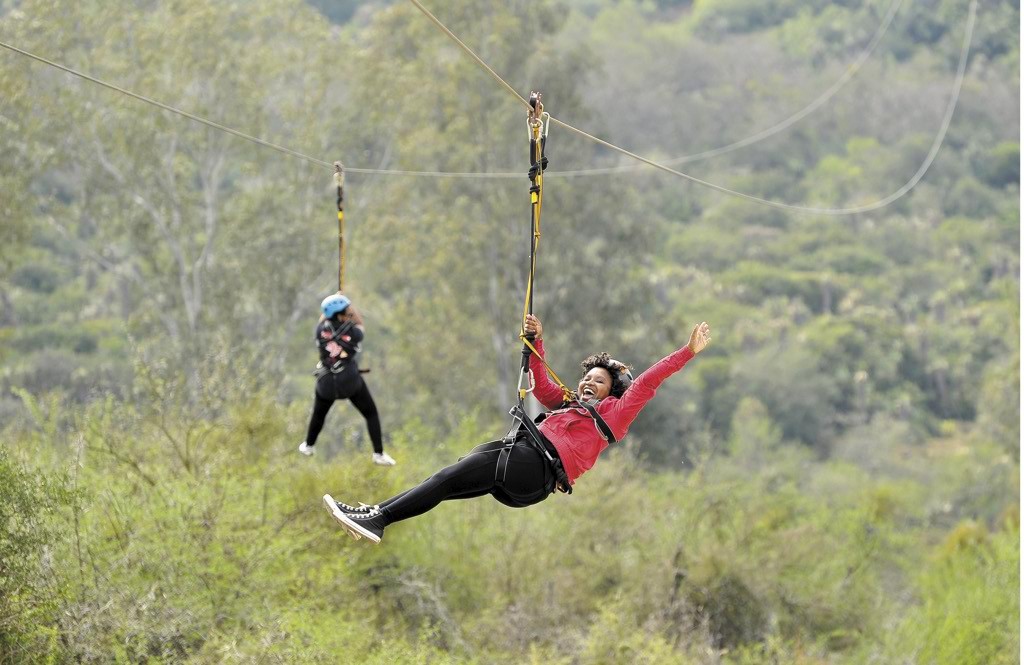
[(567, 394)]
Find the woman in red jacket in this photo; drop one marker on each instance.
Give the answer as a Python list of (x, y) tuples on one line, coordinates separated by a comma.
[(516, 472)]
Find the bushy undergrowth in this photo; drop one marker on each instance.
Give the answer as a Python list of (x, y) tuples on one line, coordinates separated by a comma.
[(230, 557)]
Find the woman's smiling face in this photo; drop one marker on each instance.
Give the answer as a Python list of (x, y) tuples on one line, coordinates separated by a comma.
[(595, 384)]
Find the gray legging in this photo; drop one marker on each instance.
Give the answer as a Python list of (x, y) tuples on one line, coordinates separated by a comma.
[(344, 385)]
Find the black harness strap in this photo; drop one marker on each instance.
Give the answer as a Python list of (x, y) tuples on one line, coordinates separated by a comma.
[(528, 430), (501, 470), (338, 336), (351, 349), (602, 426), (533, 436)]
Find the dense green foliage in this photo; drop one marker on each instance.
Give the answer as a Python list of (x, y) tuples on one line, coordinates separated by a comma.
[(31, 587), (834, 480)]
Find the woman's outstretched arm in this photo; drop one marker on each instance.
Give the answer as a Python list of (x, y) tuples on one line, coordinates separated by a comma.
[(644, 387)]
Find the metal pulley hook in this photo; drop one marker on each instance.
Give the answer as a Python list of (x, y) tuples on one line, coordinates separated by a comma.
[(534, 118)]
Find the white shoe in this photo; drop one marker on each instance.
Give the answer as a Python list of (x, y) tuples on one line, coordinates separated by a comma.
[(306, 449), (383, 459)]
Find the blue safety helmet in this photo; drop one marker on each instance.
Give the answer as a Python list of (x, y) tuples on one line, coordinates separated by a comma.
[(333, 304)]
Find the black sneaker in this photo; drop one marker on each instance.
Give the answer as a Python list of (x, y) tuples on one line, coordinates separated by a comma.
[(361, 509), (334, 508), (368, 525)]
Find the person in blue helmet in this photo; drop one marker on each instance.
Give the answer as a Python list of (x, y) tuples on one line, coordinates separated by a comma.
[(338, 336)]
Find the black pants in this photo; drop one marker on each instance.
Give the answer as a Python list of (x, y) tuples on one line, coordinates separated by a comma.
[(528, 480), (345, 385)]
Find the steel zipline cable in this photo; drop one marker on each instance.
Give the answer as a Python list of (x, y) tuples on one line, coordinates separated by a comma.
[(818, 102), (168, 107), (243, 135), (940, 137), (936, 144)]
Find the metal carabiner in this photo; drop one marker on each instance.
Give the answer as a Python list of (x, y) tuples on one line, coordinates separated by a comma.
[(532, 383)]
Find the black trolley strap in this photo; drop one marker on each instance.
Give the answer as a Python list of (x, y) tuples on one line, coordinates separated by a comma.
[(339, 183)]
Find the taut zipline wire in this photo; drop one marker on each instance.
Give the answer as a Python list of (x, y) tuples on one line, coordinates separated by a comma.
[(940, 137), (243, 135), (819, 101), (936, 144), (168, 107)]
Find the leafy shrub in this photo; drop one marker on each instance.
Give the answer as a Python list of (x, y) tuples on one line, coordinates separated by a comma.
[(38, 277), (970, 198), (733, 613), (999, 166), (30, 589), (970, 601)]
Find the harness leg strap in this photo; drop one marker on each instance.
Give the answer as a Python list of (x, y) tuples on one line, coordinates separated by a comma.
[(501, 470)]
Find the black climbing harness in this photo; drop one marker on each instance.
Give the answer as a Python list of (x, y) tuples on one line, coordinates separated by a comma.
[(338, 336)]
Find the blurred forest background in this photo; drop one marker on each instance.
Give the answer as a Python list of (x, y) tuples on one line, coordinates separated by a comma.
[(835, 480)]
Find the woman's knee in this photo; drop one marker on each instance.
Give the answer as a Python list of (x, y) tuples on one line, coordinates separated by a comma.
[(444, 476)]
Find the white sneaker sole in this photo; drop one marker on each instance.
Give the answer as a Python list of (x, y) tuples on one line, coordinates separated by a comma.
[(332, 508), (351, 526)]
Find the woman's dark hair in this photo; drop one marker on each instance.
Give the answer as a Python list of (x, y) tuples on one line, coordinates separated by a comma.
[(612, 366)]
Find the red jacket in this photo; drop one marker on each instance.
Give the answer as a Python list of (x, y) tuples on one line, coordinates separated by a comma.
[(574, 433)]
